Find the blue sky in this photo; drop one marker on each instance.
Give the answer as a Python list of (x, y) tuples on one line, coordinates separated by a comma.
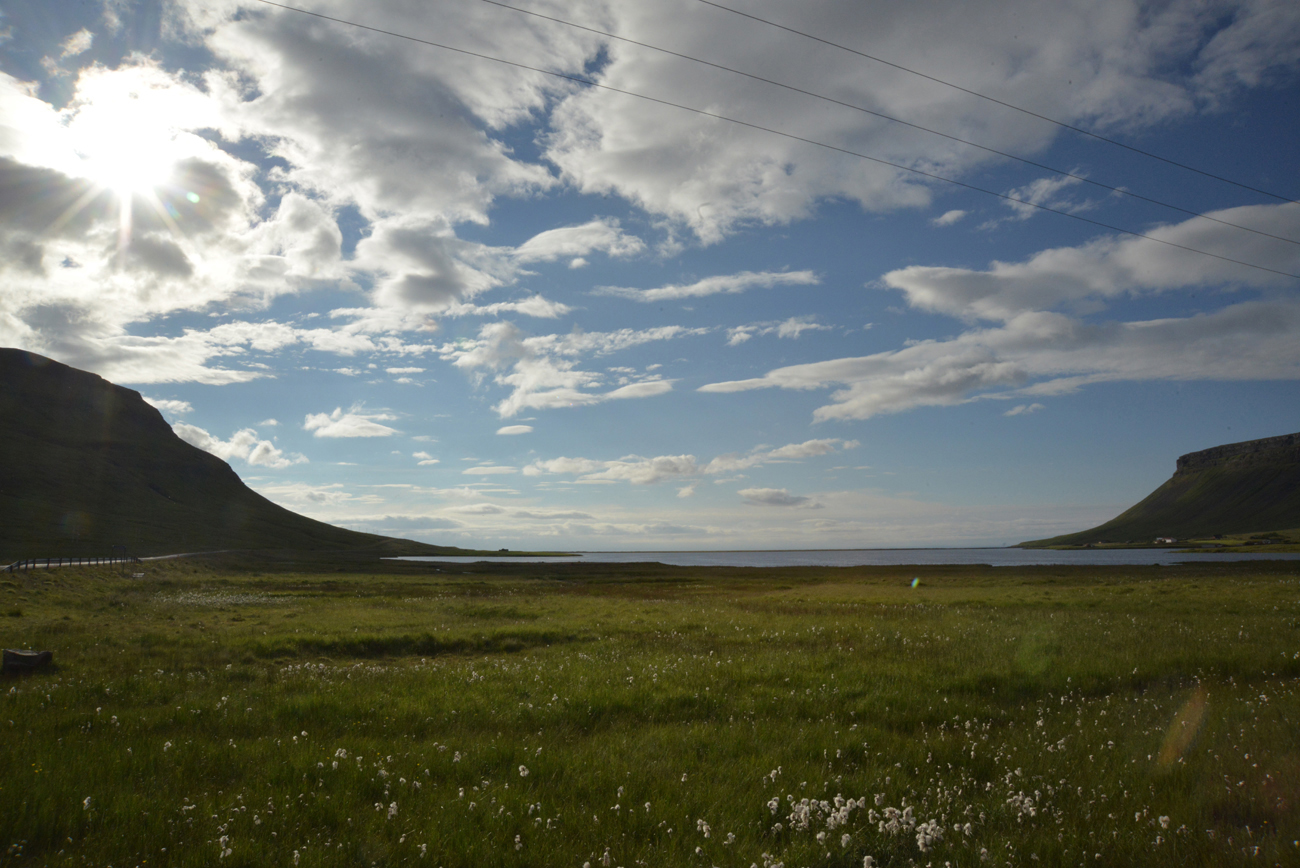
[(420, 293)]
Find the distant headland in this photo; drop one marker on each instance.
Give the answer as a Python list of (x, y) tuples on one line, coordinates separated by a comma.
[(1225, 498)]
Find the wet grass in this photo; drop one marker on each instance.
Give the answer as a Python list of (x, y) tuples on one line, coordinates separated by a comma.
[(253, 713)]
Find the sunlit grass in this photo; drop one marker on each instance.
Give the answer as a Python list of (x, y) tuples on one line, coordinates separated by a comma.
[(562, 716)]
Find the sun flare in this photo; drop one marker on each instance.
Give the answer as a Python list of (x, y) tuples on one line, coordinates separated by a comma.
[(129, 167)]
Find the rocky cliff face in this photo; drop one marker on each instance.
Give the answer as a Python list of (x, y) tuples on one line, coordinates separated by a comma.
[(1268, 450)]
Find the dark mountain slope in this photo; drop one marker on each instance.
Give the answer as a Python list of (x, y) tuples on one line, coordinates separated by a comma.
[(86, 465), (1239, 488)]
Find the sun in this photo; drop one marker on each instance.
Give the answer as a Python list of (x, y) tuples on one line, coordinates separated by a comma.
[(128, 156), (129, 168)]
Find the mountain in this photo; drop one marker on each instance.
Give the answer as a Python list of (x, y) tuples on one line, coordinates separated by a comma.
[(1250, 487), (86, 465)]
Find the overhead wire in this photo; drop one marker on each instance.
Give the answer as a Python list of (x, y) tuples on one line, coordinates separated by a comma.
[(793, 137), (1062, 172), (1080, 130)]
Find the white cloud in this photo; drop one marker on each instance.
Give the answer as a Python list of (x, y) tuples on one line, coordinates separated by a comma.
[(244, 445), (489, 470), (536, 306), (1043, 192), (948, 218), (1023, 409), (571, 242), (1037, 352), (425, 458), (477, 509), (270, 423), (776, 497), (350, 424), (644, 471), (1111, 267), (542, 371), (1099, 65), (687, 490), (721, 284), (790, 452), (1044, 353), (169, 405), (77, 43), (791, 328), (515, 429)]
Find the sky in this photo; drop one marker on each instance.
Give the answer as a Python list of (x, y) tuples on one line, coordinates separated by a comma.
[(615, 275)]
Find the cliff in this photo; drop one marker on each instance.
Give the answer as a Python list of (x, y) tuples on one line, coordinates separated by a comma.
[(1249, 487)]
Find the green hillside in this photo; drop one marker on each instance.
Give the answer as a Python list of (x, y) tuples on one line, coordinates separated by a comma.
[(86, 465), (1240, 488)]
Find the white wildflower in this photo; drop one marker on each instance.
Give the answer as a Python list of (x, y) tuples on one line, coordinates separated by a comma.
[(523, 771)]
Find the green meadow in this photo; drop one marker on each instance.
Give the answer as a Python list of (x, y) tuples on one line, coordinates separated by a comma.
[(243, 712)]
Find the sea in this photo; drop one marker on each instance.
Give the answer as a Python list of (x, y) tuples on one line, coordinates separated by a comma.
[(996, 557)]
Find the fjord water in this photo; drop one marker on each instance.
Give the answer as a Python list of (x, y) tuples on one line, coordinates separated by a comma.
[(996, 557)]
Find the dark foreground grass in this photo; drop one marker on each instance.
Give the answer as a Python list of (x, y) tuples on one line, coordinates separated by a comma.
[(253, 714)]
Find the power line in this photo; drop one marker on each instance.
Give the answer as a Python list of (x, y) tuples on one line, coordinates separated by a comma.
[(593, 84), (1063, 124), (1062, 172)]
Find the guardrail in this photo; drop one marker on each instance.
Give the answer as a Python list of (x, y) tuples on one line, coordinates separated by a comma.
[(47, 563)]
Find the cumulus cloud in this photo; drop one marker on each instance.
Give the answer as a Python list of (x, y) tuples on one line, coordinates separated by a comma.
[(425, 458), (1046, 353), (776, 497), (543, 372), (170, 405), (515, 429), (730, 284), (353, 423), (1099, 66), (124, 145), (1023, 409), (243, 445), (573, 242), (1111, 267), (1036, 351)]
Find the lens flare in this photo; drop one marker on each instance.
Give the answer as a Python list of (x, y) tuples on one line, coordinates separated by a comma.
[(1184, 728)]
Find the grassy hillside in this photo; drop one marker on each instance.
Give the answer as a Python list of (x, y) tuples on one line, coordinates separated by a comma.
[(1240, 488), (88, 465)]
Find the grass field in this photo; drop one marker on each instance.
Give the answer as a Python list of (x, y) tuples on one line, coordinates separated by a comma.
[(243, 713)]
